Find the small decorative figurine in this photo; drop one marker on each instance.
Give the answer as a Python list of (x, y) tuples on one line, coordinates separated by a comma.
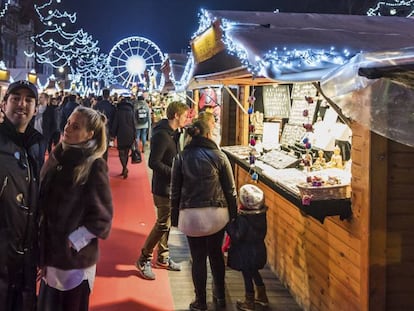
[(336, 159), (320, 162), (256, 119)]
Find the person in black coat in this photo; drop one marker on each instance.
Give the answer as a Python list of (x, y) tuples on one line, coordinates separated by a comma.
[(247, 251), (105, 106), (53, 126), (45, 122), (203, 198), (164, 147), (20, 162), (123, 128)]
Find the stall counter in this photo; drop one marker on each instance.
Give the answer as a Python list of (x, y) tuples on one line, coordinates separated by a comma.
[(286, 186)]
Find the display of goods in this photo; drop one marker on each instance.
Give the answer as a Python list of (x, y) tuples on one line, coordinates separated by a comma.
[(328, 192)]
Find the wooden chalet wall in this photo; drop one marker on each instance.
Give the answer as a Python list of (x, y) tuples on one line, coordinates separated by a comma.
[(399, 241)]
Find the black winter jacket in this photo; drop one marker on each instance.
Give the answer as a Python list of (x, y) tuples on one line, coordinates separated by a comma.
[(247, 232), (109, 110), (164, 147), (50, 122), (65, 207), (19, 171), (123, 127), (202, 177)]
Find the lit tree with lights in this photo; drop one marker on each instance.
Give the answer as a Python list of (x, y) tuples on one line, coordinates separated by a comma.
[(393, 8), (85, 61), (54, 45), (61, 48), (4, 5), (102, 71)]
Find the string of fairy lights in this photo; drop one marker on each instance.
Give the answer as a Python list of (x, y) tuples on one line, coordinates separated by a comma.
[(392, 8), (4, 9), (181, 82), (78, 52)]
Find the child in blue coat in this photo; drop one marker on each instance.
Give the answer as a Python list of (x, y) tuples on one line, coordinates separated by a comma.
[(247, 251)]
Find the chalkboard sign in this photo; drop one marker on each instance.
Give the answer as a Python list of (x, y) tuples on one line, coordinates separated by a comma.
[(276, 101), (291, 134), (296, 112), (300, 90)]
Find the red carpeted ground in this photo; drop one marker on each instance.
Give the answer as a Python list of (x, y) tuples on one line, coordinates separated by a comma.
[(118, 286)]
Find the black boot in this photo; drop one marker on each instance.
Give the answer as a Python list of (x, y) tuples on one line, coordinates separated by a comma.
[(261, 297), (219, 296), (198, 304), (124, 173), (123, 157), (247, 304)]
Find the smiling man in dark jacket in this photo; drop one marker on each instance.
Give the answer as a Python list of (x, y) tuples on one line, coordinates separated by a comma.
[(19, 171), (164, 147)]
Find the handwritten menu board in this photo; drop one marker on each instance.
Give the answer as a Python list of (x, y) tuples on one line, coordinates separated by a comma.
[(296, 112), (300, 90), (291, 134), (276, 101)]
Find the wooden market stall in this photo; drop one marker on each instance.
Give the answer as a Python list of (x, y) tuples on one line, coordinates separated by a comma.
[(345, 253), (4, 80)]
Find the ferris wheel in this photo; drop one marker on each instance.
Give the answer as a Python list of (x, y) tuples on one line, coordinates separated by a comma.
[(136, 61)]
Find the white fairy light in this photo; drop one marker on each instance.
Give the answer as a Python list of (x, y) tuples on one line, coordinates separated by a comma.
[(59, 48), (4, 9), (280, 59), (392, 7)]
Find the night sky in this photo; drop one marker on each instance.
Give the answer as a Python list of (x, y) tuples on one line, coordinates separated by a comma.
[(170, 24)]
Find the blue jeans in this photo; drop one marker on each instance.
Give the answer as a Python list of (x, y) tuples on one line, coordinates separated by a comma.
[(142, 135)]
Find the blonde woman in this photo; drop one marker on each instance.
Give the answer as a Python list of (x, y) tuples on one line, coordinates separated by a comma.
[(76, 211)]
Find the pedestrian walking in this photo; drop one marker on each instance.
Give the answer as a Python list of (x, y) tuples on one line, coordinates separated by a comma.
[(55, 136), (108, 109), (45, 122), (123, 128), (142, 115)]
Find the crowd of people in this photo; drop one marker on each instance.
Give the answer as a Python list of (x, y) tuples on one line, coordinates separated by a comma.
[(56, 202)]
